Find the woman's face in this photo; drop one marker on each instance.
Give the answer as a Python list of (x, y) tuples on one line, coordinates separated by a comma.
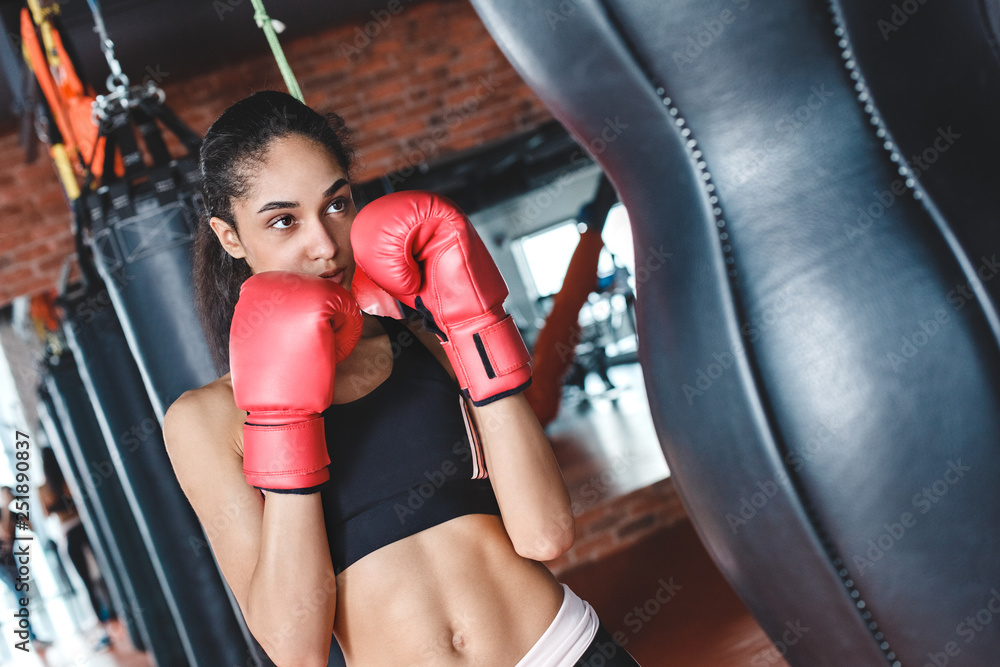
[(296, 215)]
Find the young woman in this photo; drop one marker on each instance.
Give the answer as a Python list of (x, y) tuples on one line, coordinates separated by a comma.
[(420, 543)]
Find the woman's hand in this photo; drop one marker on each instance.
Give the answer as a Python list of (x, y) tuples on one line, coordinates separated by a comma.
[(421, 249), (288, 332)]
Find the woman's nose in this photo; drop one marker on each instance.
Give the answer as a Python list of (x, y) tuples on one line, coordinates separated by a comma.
[(320, 241)]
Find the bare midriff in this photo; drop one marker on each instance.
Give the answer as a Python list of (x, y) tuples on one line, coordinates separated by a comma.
[(454, 594)]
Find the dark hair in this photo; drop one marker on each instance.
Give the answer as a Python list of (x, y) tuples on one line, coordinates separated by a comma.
[(235, 142)]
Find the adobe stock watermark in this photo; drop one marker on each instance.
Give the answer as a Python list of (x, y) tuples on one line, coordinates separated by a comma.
[(435, 478), (971, 627), (894, 532), (363, 35), (706, 376), (424, 148), (376, 366), (289, 631), (652, 261), (544, 197), (885, 199), (222, 520), (786, 126), (774, 653), (562, 13), (898, 17), (223, 7), (642, 614), (706, 34), (918, 339), (595, 487), (987, 269), (612, 129), (130, 440), (750, 505)]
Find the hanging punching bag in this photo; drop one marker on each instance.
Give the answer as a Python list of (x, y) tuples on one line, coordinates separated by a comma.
[(140, 228), (137, 595), (84, 503), (198, 604), (821, 350)]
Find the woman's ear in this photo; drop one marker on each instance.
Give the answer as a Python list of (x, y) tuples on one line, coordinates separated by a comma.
[(228, 238)]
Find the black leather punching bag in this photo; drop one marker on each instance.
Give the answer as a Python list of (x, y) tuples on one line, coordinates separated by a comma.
[(820, 348), (141, 230), (197, 603), (136, 592), (95, 521)]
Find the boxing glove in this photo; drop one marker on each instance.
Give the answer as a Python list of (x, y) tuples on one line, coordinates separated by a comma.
[(421, 249), (288, 332)]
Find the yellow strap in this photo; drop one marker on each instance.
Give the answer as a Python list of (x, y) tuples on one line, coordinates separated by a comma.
[(65, 170), (42, 13)]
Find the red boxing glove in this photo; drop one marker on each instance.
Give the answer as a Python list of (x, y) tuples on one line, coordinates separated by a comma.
[(289, 330), (421, 249)]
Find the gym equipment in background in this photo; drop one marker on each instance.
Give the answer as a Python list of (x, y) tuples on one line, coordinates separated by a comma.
[(554, 347)]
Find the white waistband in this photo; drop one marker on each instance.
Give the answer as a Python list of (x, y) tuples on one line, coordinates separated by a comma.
[(567, 637)]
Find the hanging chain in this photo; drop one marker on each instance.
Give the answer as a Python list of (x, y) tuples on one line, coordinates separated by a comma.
[(120, 96), (117, 79)]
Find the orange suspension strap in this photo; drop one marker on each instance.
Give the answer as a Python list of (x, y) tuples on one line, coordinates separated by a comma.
[(68, 99), (555, 346)]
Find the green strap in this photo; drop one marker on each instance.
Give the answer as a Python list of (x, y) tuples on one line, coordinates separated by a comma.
[(264, 23)]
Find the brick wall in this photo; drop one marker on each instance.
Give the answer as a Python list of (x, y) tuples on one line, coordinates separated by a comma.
[(620, 522), (418, 85)]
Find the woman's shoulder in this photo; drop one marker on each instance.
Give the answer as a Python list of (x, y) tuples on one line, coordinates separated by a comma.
[(206, 411)]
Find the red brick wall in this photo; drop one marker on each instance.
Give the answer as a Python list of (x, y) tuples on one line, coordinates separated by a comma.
[(427, 82), (616, 524)]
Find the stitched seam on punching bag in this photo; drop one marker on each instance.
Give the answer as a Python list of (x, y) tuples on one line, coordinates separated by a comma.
[(726, 249), (912, 178)]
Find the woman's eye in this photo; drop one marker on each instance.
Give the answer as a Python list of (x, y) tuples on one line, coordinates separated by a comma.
[(284, 222), (337, 206)]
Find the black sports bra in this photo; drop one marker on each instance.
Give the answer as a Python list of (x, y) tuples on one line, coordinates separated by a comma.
[(404, 457)]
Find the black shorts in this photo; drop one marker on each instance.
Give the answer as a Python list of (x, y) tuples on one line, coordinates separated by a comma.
[(604, 651)]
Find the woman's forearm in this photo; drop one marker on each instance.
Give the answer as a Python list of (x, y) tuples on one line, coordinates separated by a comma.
[(526, 478), (293, 591)]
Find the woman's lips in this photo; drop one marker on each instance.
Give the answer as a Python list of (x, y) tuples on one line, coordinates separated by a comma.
[(337, 276)]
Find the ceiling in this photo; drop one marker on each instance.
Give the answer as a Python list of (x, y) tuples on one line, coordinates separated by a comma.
[(176, 36)]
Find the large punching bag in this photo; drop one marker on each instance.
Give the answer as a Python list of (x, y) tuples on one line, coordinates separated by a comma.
[(821, 350), (140, 227), (90, 513), (136, 593), (196, 601)]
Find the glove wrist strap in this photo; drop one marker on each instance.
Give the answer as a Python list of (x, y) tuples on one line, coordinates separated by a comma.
[(286, 456), (490, 361)]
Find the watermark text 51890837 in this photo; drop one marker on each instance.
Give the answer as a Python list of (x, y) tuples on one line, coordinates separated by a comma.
[(22, 543)]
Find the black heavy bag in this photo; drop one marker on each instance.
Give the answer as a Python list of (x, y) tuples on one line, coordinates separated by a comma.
[(92, 515), (75, 435), (198, 604), (141, 229), (821, 350)]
